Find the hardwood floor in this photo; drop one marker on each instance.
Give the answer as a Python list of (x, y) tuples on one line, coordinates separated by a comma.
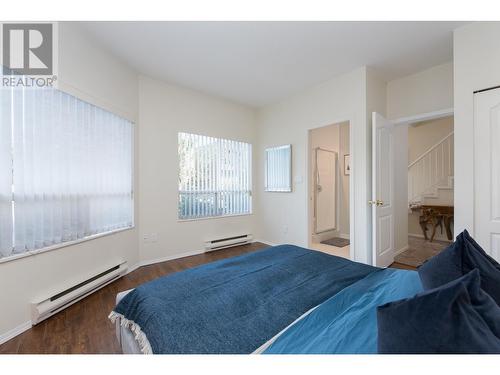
[(402, 266), (84, 327), (418, 252)]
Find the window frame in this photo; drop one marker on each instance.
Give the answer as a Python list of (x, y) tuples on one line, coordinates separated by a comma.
[(29, 253), (250, 182), (67, 243)]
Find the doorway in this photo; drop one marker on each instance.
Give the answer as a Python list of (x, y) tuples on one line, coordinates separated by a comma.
[(430, 190), (329, 186), (412, 191)]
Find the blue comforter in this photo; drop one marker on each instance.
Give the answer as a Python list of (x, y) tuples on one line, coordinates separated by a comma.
[(237, 304), (347, 322)]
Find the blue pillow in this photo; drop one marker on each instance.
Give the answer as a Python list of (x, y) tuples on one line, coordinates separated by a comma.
[(458, 259), (458, 317)]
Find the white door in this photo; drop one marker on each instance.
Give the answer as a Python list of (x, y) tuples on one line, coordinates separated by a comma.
[(325, 208), (487, 171), (382, 191)]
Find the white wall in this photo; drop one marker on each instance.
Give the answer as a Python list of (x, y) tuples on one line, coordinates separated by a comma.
[(424, 135), (476, 65), (283, 218), (427, 91), (166, 110), (93, 75)]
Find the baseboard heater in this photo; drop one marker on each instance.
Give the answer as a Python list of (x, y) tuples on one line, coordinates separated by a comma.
[(222, 243), (47, 307)]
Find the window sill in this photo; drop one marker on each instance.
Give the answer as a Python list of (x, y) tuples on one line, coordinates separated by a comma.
[(13, 257), (212, 217)]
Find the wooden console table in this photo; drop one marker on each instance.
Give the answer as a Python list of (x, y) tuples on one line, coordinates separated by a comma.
[(436, 216)]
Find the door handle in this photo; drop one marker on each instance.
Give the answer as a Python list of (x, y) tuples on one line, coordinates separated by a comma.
[(377, 202)]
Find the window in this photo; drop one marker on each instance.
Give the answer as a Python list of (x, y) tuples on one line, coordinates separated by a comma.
[(65, 170), (279, 169), (214, 177)]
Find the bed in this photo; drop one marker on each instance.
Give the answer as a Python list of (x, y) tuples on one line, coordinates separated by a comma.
[(283, 299)]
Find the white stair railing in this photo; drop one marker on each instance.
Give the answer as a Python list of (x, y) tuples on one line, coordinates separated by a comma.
[(431, 170)]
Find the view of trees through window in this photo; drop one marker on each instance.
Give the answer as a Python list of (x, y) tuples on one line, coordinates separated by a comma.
[(214, 177)]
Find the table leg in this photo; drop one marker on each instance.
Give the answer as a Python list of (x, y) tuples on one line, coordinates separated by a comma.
[(423, 225), (434, 226), (447, 225)]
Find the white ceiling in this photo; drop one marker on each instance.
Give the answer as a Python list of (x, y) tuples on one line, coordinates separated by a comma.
[(257, 63)]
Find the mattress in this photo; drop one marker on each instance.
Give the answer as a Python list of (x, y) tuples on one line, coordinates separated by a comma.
[(125, 336)]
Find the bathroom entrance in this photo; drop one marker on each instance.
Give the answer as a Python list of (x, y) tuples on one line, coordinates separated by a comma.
[(329, 184)]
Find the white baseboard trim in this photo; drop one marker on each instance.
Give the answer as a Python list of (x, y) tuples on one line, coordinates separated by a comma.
[(435, 238), (4, 337), (404, 248), (132, 268), (170, 257), (265, 242), (180, 255)]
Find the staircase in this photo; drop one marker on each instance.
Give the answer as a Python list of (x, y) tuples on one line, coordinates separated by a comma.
[(430, 176)]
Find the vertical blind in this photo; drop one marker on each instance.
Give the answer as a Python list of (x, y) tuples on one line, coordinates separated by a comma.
[(214, 177), (279, 169), (66, 170), (6, 212)]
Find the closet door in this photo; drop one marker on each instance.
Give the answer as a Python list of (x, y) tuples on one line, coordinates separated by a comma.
[(487, 171)]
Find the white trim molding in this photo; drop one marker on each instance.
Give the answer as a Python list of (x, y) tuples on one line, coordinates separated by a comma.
[(29, 253), (15, 332), (167, 258), (403, 249), (424, 117), (181, 255), (418, 235), (265, 242)]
